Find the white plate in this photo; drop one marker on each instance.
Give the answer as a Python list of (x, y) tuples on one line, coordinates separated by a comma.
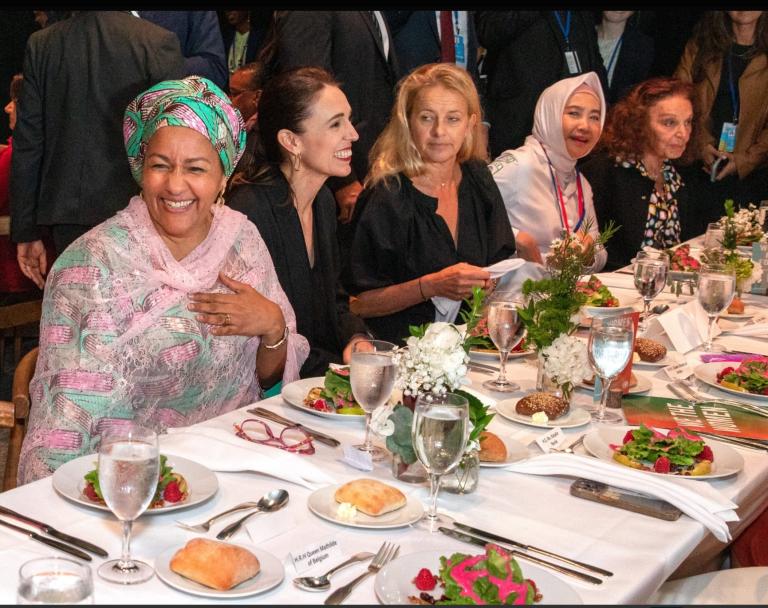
[(515, 451), (663, 362), (69, 482), (295, 393), (575, 417), (707, 373), (493, 355), (748, 313), (605, 311), (727, 460), (643, 386), (394, 582), (270, 575), (323, 504)]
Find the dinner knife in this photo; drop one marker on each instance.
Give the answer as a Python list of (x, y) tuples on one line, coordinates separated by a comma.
[(519, 545), (51, 531), (743, 442), (48, 541), (321, 437), (476, 540)]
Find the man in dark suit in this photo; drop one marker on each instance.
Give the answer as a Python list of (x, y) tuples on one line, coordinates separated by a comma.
[(527, 52), (69, 169), (351, 45)]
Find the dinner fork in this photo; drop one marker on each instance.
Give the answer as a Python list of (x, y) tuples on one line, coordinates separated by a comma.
[(387, 552), (206, 525), (569, 448)]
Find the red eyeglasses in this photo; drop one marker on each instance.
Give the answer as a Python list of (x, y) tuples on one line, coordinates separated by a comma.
[(291, 438)]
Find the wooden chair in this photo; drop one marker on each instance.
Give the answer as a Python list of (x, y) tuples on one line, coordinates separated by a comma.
[(14, 415)]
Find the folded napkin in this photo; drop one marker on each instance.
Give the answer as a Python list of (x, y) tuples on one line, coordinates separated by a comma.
[(745, 345), (685, 326), (756, 330), (222, 450), (447, 309), (698, 500)]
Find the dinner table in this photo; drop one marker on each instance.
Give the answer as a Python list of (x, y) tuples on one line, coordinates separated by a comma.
[(640, 551)]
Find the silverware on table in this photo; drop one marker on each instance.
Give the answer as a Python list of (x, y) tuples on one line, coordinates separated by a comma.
[(754, 444), (321, 437), (524, 547), (51, 531), (48, 541), (484, 366), (206, 525), (685, 391), (323, 581), (271, 501), (387, 552), (481, 542), (481, 370), (569, 448)]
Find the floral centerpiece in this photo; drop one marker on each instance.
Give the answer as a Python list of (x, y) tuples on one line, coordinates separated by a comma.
[(433, 361), (551, 314)]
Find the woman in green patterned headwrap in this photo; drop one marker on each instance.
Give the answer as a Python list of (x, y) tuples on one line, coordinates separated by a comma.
[(170, 312)]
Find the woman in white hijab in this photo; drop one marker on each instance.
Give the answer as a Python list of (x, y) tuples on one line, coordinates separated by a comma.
[(543, 191)]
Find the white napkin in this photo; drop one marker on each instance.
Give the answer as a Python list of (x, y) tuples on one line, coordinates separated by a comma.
[(447, 309), (698, 500), (745, 345), (222, 450), (686, 326), (757, 330)]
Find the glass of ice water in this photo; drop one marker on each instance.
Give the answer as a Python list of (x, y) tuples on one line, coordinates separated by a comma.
[(55, 580), (372, 375), (609, 349), (650, 272), (440, 432), (506, 330), (716, 287), (129, 467)]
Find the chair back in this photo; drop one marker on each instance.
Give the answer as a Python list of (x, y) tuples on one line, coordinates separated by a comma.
[(15, 414)]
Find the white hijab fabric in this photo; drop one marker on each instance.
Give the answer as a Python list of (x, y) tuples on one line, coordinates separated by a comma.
[(548, 117)]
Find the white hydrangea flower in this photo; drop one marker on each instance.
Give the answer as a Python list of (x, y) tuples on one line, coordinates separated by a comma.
[(566, 360)]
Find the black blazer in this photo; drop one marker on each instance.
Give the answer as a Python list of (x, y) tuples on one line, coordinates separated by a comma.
[(633, 65), (69, 164), (621, 194), (269, 207), (344, 43)]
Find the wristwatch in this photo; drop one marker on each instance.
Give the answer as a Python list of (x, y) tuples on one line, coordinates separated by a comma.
[(279, 343)]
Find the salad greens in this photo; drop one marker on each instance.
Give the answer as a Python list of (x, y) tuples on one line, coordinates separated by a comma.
[(171, 486), (750, 376), (677, 452)]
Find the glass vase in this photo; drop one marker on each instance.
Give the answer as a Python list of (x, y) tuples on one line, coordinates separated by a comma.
[(465, 477), (409, 473), (546, 384)]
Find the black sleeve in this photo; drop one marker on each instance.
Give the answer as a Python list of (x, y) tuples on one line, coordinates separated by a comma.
[(497, 29), (501, 239)]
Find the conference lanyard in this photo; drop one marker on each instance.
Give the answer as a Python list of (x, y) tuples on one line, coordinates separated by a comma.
[(559, 197), (565, 29), (734, 90), (614, 54)]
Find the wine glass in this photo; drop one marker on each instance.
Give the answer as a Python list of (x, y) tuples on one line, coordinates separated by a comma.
[(713, 237), (55, 580), (440, 432), (610, 348), (716, 286), (505, 330), (129, 469), (650, 278), (372, 374)]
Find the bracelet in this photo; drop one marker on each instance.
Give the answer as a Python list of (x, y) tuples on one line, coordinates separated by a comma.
[(421, 291), (280, 342)]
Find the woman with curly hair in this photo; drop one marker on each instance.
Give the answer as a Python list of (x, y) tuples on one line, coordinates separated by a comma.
[(633, 180), (727, 62)]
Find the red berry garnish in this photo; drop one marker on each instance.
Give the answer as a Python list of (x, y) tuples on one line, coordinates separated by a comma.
[(706, 454), (425, 580), (628, 437), (90, 492), (172, 493), (662, 465)]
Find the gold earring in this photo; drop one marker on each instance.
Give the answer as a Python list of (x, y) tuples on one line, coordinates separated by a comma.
[(297, 161)]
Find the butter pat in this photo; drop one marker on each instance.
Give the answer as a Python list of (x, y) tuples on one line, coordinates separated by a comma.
[(346, 511), (540, 418), (635, 358)]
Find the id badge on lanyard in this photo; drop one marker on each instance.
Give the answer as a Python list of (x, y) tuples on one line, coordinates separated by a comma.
[(727, 137), (571, 56), (572, 61), (728, 134)]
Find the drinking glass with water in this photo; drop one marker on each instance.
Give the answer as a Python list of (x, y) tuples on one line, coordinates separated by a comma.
[(716, 287), (610, 348), (650, 274)]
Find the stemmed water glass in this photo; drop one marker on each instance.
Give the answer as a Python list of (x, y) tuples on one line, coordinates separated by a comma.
[(609, 349), (372, 373), (716, 287), (440, 432), (713, 237), (129, 468), (506, 330), (650, 278)]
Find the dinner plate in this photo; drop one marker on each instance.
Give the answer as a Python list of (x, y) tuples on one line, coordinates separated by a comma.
[(394, 582), (600, 312), (727, 460), (575, 417), (663, 362), (748, 313), (707, 373), (69, 482), (515, 451), (323, 504), (269, 576), (295, 393), (487, 354), (643, 386)]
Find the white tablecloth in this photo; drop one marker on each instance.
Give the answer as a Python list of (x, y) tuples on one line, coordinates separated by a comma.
[(641, 551)]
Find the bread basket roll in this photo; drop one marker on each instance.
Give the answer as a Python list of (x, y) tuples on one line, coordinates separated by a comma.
[(215, 564), (370, 496)]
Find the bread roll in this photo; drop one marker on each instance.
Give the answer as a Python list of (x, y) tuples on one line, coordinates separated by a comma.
[(370, 496), (215, 564), (650, 350), (492, 448), (552, 405)]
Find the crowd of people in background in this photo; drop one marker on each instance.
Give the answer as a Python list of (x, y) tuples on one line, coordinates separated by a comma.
[(388, 158)]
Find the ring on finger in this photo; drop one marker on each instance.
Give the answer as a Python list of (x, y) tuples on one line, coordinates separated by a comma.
[(227, 319)]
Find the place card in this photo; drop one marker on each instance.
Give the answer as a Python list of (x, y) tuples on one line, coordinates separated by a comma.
[(680, 371), (327, 549), (551, 439), (261, 528), (357, 459)]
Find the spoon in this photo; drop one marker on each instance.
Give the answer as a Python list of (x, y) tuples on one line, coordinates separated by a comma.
[(271, 501), (660, 308), (323, 582)]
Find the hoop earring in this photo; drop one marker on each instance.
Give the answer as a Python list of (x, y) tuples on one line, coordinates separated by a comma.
[(296, 161)]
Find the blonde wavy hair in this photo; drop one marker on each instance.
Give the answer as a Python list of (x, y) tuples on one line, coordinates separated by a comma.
[(395, 151)]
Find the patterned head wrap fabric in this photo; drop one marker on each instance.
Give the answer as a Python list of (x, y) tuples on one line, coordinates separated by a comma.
[(193, 102)]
